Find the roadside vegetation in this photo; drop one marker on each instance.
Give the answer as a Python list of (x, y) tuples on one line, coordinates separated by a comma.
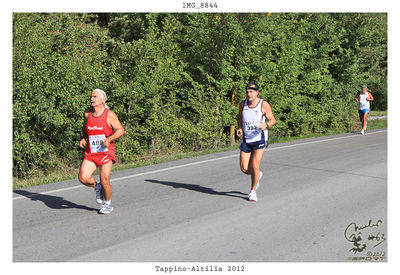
[(68, 172), (175, 80)]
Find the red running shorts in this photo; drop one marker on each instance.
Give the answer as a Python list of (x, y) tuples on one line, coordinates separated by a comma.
[(99, 159)]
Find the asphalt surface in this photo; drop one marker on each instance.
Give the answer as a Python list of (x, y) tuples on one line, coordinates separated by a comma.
[(320, 200)]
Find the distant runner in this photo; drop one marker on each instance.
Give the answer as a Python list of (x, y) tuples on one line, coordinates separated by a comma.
[(363, 98), (101, 127), (252, 125)]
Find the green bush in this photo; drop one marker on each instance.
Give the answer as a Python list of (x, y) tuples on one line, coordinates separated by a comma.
[(175, 80)]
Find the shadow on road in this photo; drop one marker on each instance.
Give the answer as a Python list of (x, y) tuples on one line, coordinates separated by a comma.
[(202, 189), (52, 201)]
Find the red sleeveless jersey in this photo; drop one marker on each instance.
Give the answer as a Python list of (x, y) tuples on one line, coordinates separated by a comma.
[(97, 129)]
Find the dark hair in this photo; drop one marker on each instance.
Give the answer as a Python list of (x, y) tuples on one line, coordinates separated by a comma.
[(252, 86)]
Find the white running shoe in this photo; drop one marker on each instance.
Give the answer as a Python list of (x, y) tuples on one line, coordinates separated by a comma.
[(99, 193), (258, 183), (253, 196), (106, 208), (362, 132)]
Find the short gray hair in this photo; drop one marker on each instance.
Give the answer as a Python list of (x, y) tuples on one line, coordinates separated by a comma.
[(103, 95)]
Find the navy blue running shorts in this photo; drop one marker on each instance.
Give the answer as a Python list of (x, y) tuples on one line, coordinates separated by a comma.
[(251, 146)]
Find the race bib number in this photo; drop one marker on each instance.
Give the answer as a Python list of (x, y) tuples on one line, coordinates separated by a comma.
[(96, 144), (252, 126)]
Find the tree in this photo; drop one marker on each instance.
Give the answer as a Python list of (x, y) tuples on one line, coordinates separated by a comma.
[(57, 60)]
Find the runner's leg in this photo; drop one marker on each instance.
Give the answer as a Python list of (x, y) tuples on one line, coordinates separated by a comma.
[(364, 120), (255, 162), (86, 172), (245, 162), (105, 173)]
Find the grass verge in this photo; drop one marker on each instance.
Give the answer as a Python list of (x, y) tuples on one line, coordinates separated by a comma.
[(68, 173), (378, 113)]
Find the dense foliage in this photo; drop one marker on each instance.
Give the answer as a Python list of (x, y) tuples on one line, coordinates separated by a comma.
[(175, 80)]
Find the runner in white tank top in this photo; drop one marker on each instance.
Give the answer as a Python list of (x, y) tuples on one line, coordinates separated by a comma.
[(254, 129), (363, 103), (363, 99), (251, 120)]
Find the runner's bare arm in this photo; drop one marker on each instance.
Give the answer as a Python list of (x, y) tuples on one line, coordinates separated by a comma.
[(82, 143), (239, 131), (357, 97), (116, 125), (266, 108)]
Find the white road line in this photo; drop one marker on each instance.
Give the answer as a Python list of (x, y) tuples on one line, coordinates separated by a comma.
[(318, 141), (190, 164)]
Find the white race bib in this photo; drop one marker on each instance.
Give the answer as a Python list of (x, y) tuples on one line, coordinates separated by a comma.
[(252, 126), (96, 144)]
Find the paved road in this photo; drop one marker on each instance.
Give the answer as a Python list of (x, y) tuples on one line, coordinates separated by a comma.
[(195, 210)]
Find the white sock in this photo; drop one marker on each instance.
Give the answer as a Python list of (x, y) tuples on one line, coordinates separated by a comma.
[(108, 202)]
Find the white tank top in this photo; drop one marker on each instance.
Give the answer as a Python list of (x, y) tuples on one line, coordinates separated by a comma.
[(363, 103), (251, 119)]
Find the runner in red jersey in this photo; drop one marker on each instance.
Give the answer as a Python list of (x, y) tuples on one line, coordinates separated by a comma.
[(101, 127), (97, 129)]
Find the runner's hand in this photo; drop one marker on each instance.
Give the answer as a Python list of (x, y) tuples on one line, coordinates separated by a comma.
[(262, 126), (106, 141), (82, 143), (239, 132)]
